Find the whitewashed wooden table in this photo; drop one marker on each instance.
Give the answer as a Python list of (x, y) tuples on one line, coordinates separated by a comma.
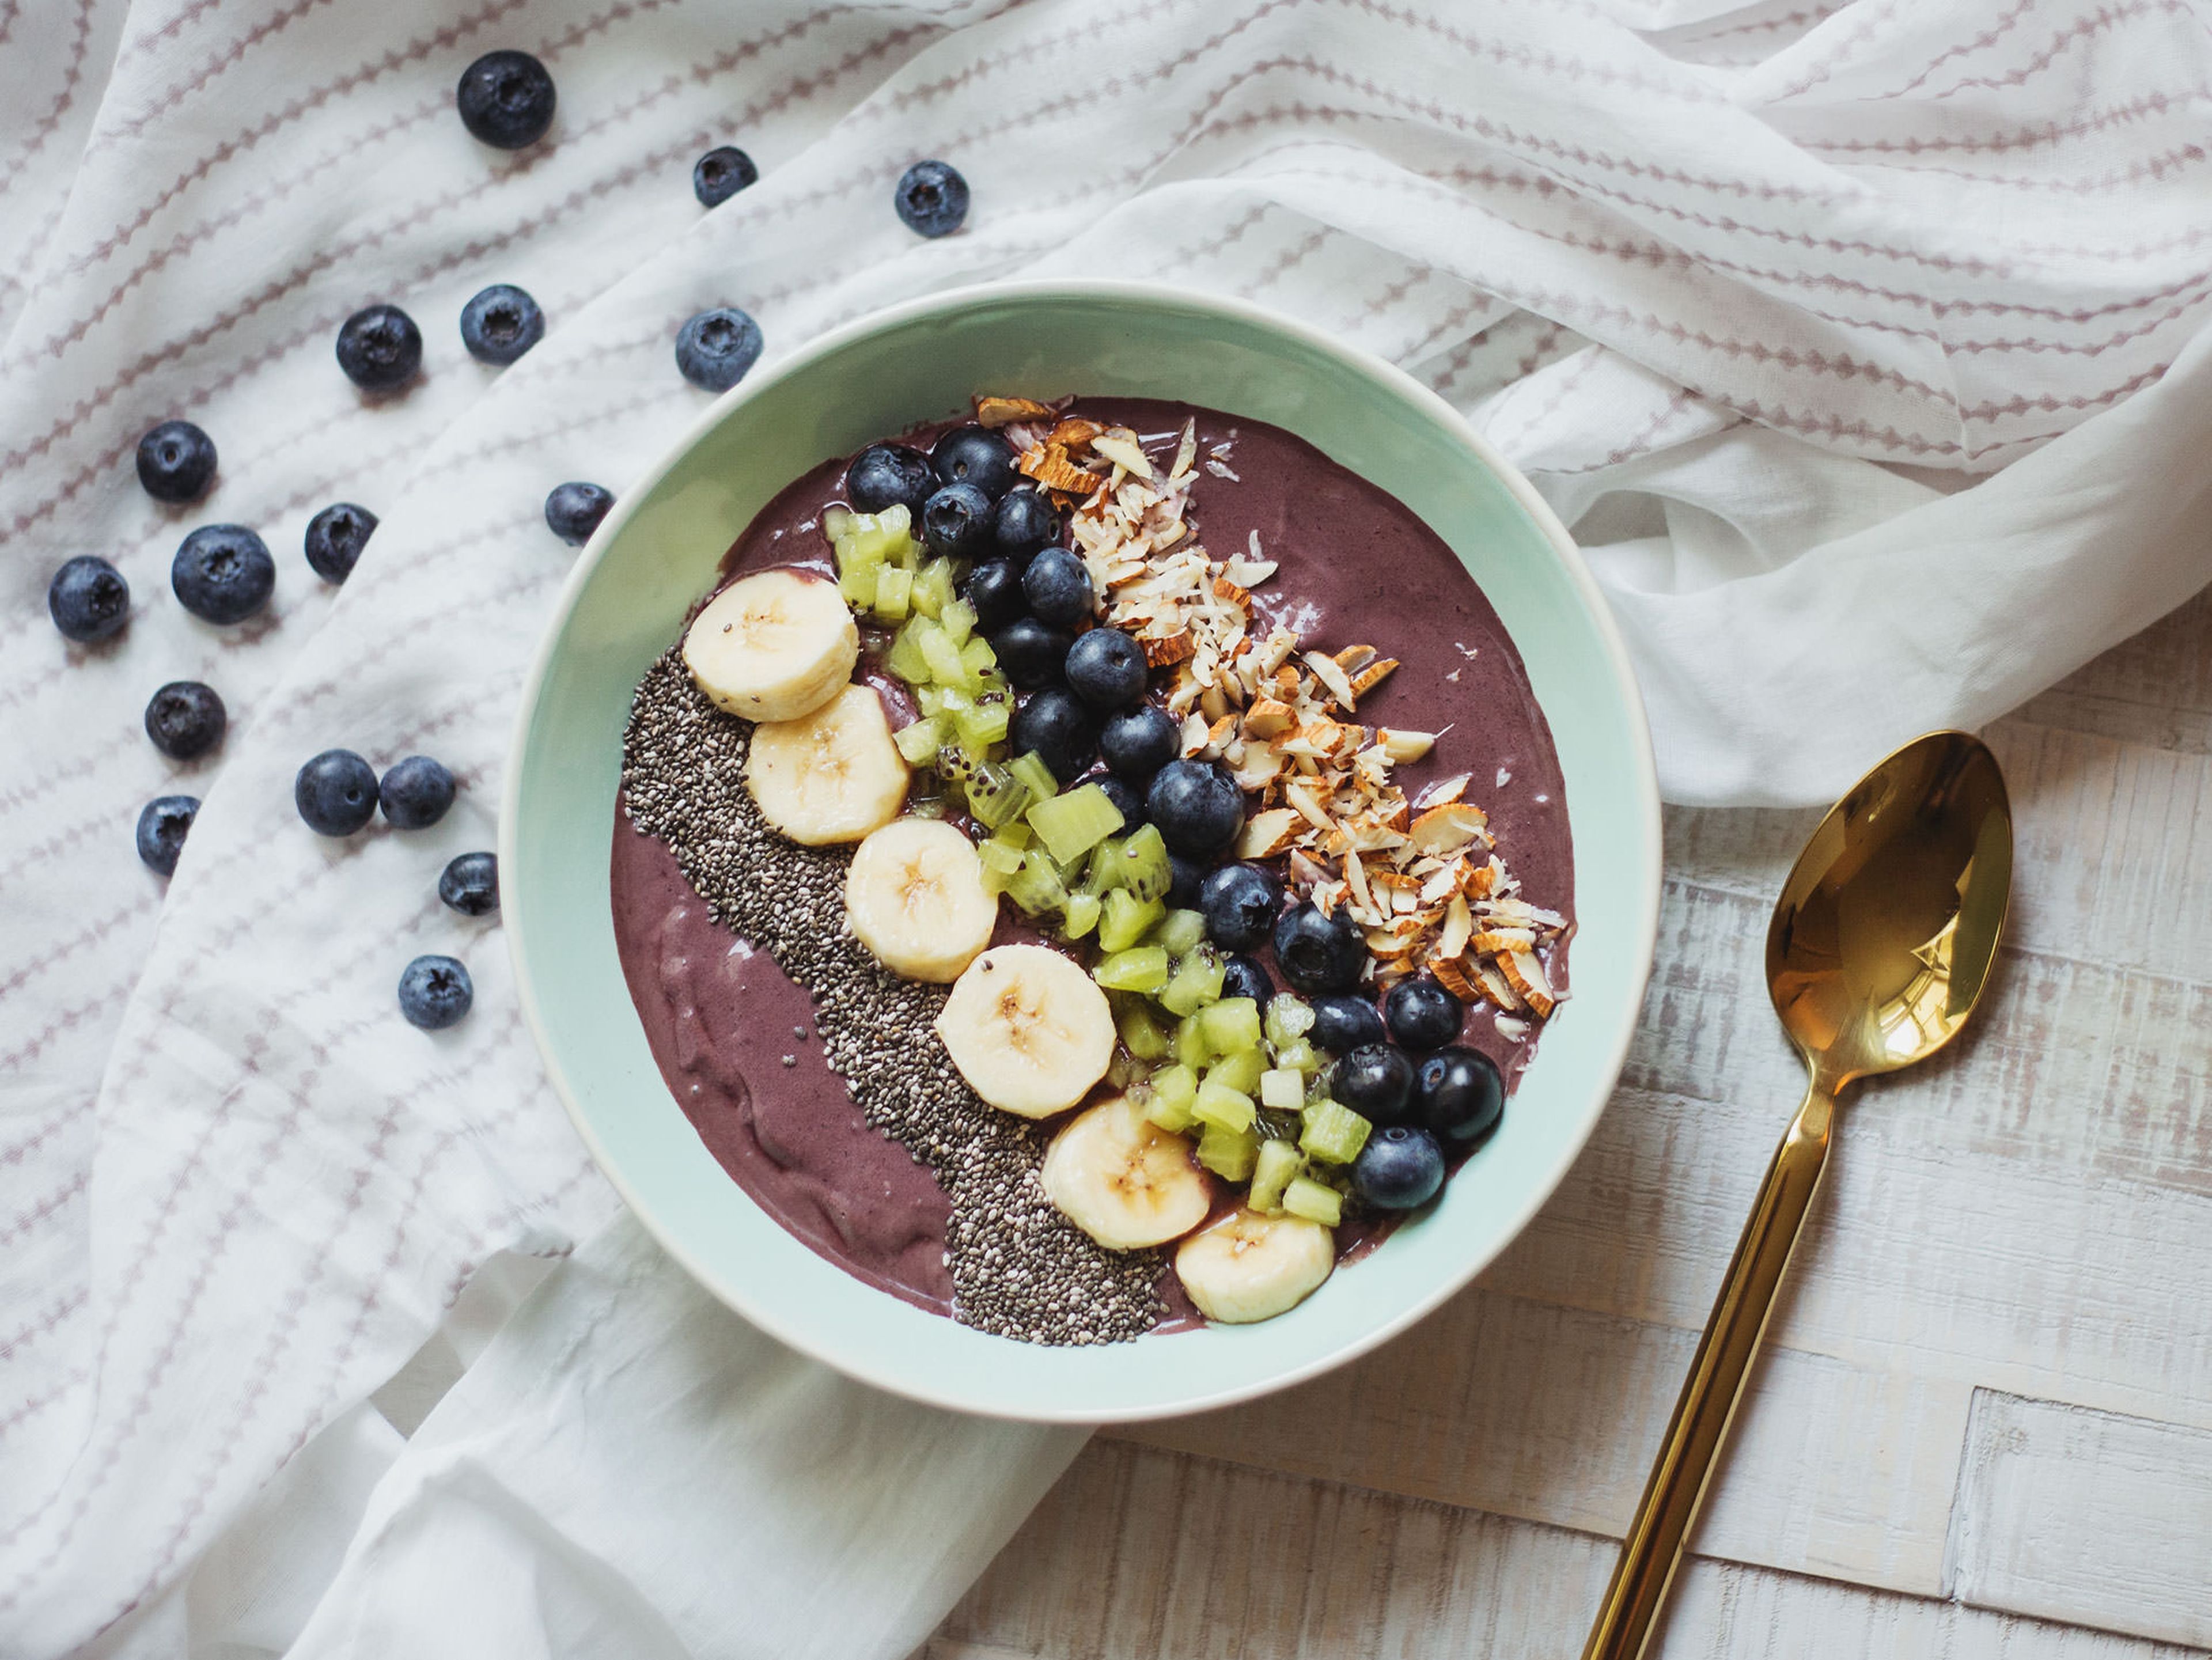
[(1983, 1424)]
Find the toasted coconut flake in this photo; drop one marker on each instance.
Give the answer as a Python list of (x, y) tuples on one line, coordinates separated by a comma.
[(1446, 829), (995, 411)]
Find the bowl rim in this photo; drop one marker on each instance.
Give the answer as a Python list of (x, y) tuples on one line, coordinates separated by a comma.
[(1644, 785)]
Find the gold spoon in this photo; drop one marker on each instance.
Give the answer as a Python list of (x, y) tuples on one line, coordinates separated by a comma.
[(1881, 943)]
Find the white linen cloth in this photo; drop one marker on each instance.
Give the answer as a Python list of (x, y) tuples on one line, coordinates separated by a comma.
[(1864, 344)]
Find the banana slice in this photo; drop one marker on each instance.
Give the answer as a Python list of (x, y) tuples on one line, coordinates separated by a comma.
[(772, 646), (916, 897), (1123, 1180), (832, 775), (1028, 1030), (1247, 1266)]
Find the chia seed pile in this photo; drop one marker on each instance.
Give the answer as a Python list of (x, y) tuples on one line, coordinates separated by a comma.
[(1019, 1268)]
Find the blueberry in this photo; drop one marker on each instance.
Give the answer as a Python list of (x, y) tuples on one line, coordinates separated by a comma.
[(1400, 1168), (1421, 1014), (1458, 1095), (1242, 977), (1342, 1025), (956, 521), (185, 720), (720, 174), (1375, 1081), (1123, 795), (88, 598), (379, 348), (931, 198), (1240, 903), (505, 99), (176, 461), (995, 590), (335, 537), (223, 572), (1107, 669), (415, 793), (976, 455), (715, 348), (470, 884), (1030, 652), (1139, 742), (573, 511), (161, 827), (1026, 522), (1056, 728), (1058, 587), (1197, 807), (1184, 876), (336, 793), (889, 475), (1318, 953), (435, 993), (500, 322)]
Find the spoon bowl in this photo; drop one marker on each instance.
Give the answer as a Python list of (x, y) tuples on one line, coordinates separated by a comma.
[(1880, 945)]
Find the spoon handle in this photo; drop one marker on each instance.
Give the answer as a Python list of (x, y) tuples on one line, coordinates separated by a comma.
[(1692, 1445)]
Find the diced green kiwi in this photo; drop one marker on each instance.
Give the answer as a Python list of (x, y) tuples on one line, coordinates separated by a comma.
[(905, 659), (1000, 862), (837, 524), (958, 618), (1142, 1034), (933, 592), (1197, 980), (1144, 969), (1080, 916), (1074, 823), (1333, 1133), (995, 795), (1232, 1024), (1142, 864), (1283, 1089), (1230, 1154), (1013, 833), (857, 583), (1232, 1110), (1180, 932), (1313, 1200), (945, 668), (1289, 1018), (894, 596), (1100, 869), (1036, 886), (1190, 1042), (984, 724), (1299, 1056), (919, 742), (1030, 769), (1126, 920), (983, 664), (1238, 1070), (1278, 1162), (1167, 1095)]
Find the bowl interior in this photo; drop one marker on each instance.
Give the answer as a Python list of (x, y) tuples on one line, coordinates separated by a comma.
[(658, 553)]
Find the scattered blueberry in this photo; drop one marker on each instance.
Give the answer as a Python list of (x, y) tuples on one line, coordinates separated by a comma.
[(415, 793), (161, 828), (1458, 1095), (886, 475), (720, 174), (1421, 1014), (1342, 1025), (470, 884), (573, 511), (976, 455), (88, 598), (1124, 796), (505, 99), (1318, 953), (1107, 669), (1400, 1168), (1197, 806), (1059, 730), (1058, 587), (1185, 875), (932, 199), (223, 572), (435, 993), (335, 537), (176, 461), (1240, 903), (336, 793), (500, 322), (1242, 977), (1026, 522), (1030, 652), (956, 521), (1375, 1081), (185, 720), (379, 348), (995, 590), (715, 348), (1139, 742)]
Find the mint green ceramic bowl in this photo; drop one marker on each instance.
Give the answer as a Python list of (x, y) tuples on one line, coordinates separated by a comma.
[(656, 553)]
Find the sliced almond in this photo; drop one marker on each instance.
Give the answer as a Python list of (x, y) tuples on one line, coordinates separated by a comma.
[(1162, 653), (1458, 927), (995, 411), (1268, 719), (1526, 976), (1352, 658), (1266, 834), (1446, 829), (1326, 671), (1491, 941), (1072, 432), (1119, 445), (1372, 675), (1445, 790), (1401, 746), (1457, 975)]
